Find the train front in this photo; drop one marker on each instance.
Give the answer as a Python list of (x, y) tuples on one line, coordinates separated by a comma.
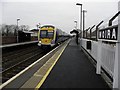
[(46, 36)]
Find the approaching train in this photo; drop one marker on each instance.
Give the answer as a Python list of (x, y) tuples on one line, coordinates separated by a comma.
[(49, 35)]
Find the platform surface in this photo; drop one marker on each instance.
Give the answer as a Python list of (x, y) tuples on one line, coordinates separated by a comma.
[(74, 70)]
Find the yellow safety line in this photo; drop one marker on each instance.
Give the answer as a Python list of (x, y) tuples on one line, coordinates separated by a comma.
[(47, 73)]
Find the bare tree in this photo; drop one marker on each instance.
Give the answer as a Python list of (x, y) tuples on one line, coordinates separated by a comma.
[(11, 30), (3, 30), (24, 28)]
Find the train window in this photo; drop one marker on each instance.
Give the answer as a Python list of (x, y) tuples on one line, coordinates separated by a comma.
[(50, 34), (43, 34)]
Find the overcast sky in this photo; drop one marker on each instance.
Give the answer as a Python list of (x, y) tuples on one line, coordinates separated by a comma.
[(60, 13)]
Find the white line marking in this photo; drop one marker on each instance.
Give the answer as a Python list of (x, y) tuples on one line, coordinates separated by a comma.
[(17, 75)]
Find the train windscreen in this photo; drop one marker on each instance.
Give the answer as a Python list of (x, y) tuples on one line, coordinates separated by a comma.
[(50, 34), (46, 34), (43, 34)]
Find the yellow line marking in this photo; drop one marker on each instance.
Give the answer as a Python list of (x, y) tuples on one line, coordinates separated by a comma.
[(16, 76), (47, 73)]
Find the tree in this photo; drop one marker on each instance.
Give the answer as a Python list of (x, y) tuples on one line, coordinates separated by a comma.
[(11, 30), (24, 28)]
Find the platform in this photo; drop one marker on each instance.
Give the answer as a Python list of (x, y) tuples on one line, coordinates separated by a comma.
[(65, 67), (16, 44), (74, 70)]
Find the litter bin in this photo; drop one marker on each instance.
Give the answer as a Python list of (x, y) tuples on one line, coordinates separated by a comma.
[(88, 45)]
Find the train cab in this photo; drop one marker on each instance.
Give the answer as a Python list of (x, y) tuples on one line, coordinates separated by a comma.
[(46, 36)]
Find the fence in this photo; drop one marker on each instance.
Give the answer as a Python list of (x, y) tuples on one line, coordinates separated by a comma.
[(13, 39), (8, 39), (105, 48), (107, 54)]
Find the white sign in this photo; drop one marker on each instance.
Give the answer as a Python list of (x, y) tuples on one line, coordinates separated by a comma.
[(108, 33)]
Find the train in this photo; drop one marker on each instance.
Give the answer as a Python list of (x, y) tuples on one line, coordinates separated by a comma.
[(50, 36)]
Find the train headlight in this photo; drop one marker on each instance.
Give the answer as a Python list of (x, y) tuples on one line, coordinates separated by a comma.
[(39, 41)]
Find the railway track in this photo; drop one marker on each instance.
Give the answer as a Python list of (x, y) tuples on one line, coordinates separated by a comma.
[(12, 53), (17, 56), (16, 61)]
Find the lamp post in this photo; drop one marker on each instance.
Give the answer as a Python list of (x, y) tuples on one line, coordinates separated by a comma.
[(17, 28), (37, 26), (80, 18), (84, 23), (75, 25), (80, 32)]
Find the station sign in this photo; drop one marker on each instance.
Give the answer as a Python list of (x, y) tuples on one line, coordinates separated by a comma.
[(109, 33)]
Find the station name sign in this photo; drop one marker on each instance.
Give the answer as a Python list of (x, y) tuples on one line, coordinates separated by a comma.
[(109, 33)]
